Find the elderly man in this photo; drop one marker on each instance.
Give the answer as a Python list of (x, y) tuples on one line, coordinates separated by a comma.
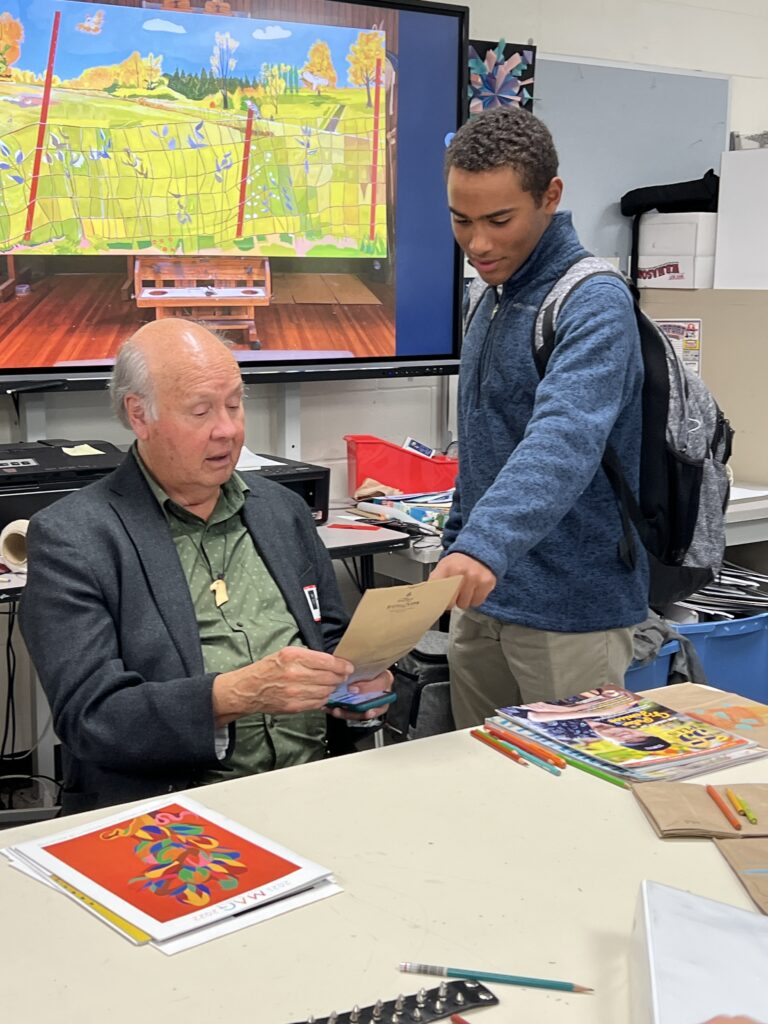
[(181, 620)]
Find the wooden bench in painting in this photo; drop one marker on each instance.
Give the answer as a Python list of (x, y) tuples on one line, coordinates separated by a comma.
[(221, 292)]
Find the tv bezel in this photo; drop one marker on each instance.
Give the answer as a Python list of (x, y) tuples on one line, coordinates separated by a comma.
[(29, 380)]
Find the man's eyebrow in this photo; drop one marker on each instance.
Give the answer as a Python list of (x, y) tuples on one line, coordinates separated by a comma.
[(484, 216)]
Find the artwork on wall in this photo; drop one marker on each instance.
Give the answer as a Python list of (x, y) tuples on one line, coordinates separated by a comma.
[(124, 130), (500, 75)]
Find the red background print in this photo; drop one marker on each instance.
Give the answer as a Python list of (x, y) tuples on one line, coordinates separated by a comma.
[(111, 863)]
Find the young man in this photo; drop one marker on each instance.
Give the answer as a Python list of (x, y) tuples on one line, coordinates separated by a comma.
[(182, 619), (547, 606)]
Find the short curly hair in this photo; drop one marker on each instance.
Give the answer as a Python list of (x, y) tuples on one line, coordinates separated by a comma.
[(506, 137)]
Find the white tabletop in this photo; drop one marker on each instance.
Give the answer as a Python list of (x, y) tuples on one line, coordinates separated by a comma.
[(448, 854)]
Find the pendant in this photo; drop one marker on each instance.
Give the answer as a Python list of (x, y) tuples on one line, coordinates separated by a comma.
[(219, 588)]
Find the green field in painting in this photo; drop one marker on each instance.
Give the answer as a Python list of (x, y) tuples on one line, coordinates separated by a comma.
[(151, 170)]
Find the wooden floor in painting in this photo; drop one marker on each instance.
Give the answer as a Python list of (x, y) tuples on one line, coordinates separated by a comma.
[(83, 317)]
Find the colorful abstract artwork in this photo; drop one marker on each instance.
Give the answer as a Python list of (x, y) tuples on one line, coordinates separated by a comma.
[(130, 130), (500, 75), (171, 862)]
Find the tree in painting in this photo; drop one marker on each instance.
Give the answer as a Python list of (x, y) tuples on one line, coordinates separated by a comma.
[(319, 72), (362, 58), (223, 62)]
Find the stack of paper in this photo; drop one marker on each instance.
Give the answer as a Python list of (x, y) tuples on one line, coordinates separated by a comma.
[(173, 874), (734, 593), (686, 809), (629, 737)]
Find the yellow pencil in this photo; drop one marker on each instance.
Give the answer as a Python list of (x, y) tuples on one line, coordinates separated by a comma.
[(738, 806)]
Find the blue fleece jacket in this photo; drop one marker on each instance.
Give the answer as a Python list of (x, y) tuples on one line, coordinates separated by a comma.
[(532, 501)]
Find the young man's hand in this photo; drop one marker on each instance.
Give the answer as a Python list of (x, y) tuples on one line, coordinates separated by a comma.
[(478, 582)]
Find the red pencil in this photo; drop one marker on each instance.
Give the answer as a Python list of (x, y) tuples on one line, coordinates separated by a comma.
[(352, 526), (533, 748), (456, 1019), (502, 748), (724, 808)]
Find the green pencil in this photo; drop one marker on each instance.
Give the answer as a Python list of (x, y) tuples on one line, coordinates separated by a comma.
[(504, 979), (593, 771)]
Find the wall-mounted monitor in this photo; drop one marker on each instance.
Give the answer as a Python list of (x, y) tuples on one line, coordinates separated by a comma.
[(273, 168)]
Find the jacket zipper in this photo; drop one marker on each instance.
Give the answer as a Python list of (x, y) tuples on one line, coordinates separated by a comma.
[(485, 350)]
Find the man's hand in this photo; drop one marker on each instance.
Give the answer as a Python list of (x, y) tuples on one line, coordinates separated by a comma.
[(383, 681), (479, 581), (291, 680)]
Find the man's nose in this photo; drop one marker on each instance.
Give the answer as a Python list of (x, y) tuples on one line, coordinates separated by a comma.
[(227, 423), (479, 244)]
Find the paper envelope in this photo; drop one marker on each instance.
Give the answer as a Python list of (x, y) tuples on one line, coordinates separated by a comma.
[(389, 622)]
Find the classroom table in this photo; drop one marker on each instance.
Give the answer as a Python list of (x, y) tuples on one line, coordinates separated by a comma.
[(448, 853)]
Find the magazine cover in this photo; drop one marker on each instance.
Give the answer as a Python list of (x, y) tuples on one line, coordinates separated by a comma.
[(622, 729), (171, 866)]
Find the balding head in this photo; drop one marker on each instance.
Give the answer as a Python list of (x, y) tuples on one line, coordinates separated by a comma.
[(178, 388), (154, 354)]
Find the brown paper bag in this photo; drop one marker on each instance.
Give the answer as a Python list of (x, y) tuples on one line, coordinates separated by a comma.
[(750, 862), (686, 809)]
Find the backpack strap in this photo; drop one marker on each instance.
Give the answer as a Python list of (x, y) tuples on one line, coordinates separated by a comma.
[(543, 345), (544, 328)]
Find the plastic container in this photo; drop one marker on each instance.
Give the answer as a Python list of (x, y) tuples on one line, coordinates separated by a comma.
[(654, 673), (734, 653), (369, 456)]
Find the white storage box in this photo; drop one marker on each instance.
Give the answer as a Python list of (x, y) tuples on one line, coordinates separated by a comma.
[(677, 250)]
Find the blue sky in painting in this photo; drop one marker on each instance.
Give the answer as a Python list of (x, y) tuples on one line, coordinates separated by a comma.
[(184, 40)]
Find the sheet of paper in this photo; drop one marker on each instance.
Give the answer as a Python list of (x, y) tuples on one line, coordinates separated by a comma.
[(250, 460), (389, 622), (79, 450)]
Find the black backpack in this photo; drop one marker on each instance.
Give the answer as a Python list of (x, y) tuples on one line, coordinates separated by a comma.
[(686, 443)]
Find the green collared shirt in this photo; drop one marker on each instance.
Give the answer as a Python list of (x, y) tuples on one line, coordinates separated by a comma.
[(253, 623)]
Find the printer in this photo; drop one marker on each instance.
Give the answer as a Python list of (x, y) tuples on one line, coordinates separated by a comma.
[(33, 474)]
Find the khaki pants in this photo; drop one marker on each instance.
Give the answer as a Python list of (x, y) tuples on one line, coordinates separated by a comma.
[(494, 664)]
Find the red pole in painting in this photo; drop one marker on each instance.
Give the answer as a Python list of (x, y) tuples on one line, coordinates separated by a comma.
[(244, 172), (375, 148), (42, 126)]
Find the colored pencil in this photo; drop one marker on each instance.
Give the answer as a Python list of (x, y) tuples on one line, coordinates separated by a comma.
[(525, 744), (456, 1019), (729, 815), (591, 770), (504, 979), (497, 745), (519, 751), (749, 814), (534, 759), (735, 801)]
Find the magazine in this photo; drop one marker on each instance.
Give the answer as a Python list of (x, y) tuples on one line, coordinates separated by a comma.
[(167, 868), (632, 735)]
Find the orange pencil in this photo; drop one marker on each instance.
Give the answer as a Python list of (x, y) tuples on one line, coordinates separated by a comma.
[(525, 744), (491, 742), (724, 808)]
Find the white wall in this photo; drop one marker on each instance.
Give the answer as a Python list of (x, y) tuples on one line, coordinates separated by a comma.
[(723, 36)]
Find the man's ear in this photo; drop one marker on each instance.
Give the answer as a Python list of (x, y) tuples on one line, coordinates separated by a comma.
[(554, 193), (137, 417)]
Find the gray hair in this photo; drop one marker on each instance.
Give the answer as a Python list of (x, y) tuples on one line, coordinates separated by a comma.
[(506, 137), (131, 376)]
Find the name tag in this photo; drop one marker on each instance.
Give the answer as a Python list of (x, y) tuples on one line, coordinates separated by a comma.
[(313, 601)]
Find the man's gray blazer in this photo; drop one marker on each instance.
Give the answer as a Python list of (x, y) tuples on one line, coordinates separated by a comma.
[(109, 623)]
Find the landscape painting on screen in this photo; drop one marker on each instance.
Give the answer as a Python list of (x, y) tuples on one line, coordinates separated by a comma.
[(135, 130)]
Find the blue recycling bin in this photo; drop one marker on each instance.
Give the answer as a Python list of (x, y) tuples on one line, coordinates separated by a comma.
[(734, 653), (647, 675)]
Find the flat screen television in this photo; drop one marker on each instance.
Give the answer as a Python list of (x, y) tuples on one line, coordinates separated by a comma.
[(273, 168)]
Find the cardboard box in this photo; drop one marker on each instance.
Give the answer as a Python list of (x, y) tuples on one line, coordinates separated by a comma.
[(677, 250)]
